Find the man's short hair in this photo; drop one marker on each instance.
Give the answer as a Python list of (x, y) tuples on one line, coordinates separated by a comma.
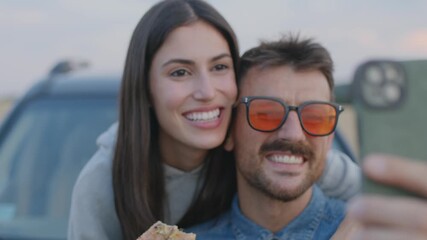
[(300, 54)]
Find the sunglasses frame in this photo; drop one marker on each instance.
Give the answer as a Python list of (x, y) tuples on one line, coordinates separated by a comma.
[(248, 99)]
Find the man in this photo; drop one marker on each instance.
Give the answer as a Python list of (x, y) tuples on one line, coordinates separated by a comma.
[(283, 129)]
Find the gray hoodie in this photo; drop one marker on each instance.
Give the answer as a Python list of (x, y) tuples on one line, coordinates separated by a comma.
[(92, 214)]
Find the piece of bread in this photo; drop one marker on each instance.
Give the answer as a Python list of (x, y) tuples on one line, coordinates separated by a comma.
[(161, 231)]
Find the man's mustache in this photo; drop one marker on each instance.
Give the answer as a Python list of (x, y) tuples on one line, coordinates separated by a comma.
[(296, 148)]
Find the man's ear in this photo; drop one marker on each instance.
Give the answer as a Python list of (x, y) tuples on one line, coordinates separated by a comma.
[(229, 142)]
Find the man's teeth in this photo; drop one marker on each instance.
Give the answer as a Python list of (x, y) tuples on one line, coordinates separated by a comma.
[(286, 159), (203, 116)]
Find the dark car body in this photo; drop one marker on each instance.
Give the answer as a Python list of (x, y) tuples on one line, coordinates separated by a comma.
[(44, 142)]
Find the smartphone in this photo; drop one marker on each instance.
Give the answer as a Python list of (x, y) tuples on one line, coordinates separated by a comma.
[(390, 100)]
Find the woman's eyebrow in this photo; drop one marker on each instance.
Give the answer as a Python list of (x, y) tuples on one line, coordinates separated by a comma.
[(223, 55), (178, 60), (190, 62)]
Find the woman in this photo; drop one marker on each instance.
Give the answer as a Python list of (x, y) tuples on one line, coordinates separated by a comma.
[(177, 92)]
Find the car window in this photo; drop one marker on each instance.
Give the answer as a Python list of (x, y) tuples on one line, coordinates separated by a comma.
[(48, 143)]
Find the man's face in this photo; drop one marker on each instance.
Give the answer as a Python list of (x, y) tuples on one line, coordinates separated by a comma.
[(285, 163)]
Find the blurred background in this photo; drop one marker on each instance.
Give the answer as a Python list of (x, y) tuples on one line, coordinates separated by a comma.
[(36, 34)]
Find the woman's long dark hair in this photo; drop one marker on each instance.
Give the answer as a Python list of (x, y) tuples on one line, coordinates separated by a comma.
[(138, 178)]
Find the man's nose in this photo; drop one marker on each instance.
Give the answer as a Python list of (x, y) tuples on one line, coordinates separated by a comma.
[(204, 88), (291, 129)]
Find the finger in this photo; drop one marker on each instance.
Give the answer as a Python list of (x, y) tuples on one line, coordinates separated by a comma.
[(397, 171), (393, 212)]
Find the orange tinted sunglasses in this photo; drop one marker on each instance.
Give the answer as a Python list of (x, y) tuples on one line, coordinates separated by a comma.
[(267, 114)]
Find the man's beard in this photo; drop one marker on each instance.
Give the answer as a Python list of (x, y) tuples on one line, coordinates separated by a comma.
[(259, 180)]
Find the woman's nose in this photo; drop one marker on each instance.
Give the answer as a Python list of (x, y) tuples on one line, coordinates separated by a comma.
[(204, 88)]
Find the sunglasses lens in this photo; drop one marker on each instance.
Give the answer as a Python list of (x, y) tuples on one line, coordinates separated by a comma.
[(265, 114), (319, 118)]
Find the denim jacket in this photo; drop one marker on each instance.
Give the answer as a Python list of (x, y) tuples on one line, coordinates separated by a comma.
[(319, 220)]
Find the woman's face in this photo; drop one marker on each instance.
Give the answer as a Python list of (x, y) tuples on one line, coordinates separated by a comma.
[(193, 88)]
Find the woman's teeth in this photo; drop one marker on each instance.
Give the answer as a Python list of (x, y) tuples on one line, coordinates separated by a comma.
[(203, 116)]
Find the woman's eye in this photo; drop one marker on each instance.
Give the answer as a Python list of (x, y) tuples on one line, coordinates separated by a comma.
[(220, 67), (179, 73)]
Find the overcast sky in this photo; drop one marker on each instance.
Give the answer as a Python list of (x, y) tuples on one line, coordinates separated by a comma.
[(36, 34)]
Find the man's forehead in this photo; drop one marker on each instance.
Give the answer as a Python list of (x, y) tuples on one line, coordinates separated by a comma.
[(257, 74), (265, 75), (272, 81)]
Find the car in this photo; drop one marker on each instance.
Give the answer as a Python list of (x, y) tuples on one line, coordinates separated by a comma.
[(46, 140)]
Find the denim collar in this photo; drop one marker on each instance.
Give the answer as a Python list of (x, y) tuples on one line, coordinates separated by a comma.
[(302, 227)]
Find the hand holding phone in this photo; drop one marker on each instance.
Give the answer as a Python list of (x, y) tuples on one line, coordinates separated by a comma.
[(397, 217), (389, 99)]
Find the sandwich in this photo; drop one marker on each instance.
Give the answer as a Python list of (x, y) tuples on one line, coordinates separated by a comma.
[(161, 231)]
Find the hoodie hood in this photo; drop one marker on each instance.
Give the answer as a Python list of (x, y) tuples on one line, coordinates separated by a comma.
[(107, 140)]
